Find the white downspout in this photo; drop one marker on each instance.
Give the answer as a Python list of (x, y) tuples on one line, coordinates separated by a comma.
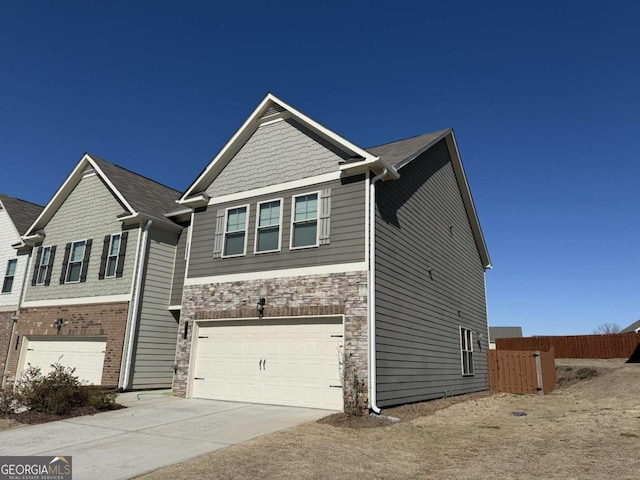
[(126, 381), (372, 292)]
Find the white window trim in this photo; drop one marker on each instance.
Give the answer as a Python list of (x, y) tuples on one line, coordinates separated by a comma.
[(470, 349), (246, 231), (40, 266), (255, 243), (6, 271), (293, 215), (109, 256), (66, 274)]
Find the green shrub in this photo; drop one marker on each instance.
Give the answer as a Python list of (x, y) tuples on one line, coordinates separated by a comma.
[(103, 399), (56, 393), (8, 402)]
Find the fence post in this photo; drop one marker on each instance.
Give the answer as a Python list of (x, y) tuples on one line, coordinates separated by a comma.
[(539, 373)]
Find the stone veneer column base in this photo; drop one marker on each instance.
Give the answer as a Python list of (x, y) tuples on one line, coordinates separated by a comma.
[(336, 294)]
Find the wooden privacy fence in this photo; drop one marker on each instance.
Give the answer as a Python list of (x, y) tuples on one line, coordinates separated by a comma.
[(524, 372), (617, 345)]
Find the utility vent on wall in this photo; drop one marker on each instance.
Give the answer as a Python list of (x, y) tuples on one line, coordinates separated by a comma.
[(272, 110)]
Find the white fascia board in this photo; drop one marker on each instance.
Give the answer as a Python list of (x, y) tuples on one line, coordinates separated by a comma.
[(285, 273), (325, 132), (200, 200), (468, 200), (138, 217), (363, 166), (77, 301), (177, 213), (248, 128), (65, 189), (273, 189)]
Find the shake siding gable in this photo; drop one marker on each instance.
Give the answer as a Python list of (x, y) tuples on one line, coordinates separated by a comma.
[(346, 241), (429, 282), (276, 153), (157, 329), (88, 213)]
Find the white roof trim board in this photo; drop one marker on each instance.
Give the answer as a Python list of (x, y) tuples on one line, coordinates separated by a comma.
[(250, 126)]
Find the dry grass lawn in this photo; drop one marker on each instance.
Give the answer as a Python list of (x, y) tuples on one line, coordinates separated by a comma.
[(585, 430)]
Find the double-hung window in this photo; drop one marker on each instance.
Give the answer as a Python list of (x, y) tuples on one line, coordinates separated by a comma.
[(235, 234), (304, 221), (112, 258), (466, 349), (7, 284), (43, 266), (268, 226), (74, 267)]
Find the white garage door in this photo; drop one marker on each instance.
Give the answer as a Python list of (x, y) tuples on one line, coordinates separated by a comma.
[(86, 355), (282, 362)]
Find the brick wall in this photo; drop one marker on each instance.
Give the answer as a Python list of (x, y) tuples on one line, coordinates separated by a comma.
[(344, 294), (104, 319), (5, 337)]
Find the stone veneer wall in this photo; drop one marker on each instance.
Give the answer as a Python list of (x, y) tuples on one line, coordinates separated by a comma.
[(104, 319), (341, 293), (5, 337)]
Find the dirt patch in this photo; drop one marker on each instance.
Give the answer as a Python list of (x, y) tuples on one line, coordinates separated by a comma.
[(33, 418), (589, 429)]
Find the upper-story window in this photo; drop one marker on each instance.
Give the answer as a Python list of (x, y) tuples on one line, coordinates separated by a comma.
[(304, 221), (43, 266), (112, 257), (268, 226), (7, 284), (466, 350), (114, 248), (76, 258), (235, 234)]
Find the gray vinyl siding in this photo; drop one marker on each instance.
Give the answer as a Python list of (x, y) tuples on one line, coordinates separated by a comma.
[(179, 267), (418, 312), (89, 212), (347, 239), (276, 153), (157, 328)]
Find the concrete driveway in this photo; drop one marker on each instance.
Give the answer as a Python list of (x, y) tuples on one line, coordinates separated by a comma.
[(155, 431)]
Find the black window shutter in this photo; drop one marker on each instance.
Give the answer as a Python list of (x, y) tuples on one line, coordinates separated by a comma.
[(34, 279), (123, 251), (52, 255), (85, 261), (65, 261), (103, 257)]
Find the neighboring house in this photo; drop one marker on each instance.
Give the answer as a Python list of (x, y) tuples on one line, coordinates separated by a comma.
[(100, 278), (15, 218), (317, 266), (634, 327), (503, 332)]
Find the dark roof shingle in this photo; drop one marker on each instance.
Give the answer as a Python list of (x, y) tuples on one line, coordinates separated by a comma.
[(631, 328), (143, 194), (398, 152), (21, 212), (504, 332)]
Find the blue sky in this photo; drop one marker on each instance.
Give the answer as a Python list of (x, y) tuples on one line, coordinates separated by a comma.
[(543, 97)]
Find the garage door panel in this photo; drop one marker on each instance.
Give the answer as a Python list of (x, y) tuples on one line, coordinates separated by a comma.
[(86, 356), (287, 362)]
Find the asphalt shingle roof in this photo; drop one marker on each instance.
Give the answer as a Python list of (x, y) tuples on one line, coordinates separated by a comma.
[(504, 332), (632, 328), (143, 194), (396, 152), (21, 212)]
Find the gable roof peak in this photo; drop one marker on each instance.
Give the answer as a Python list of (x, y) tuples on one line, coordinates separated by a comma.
[(21, 212)]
